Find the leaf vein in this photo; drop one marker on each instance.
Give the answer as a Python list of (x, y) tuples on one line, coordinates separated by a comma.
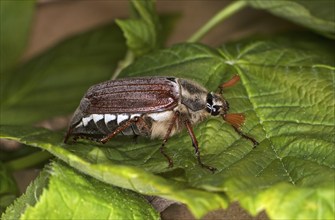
[(264, 130)]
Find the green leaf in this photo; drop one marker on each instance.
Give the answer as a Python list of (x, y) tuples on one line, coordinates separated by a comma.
[(286, 92), (6, 156), (126, 166), (71, 195), (8, 189), (15, 20), (316, 15), (7, 183), (168, 22), (27, 161), (290, 87), (29, 198), (52, 83), (143, 31)]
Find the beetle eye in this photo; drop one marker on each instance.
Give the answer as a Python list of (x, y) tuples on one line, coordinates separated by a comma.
[(215, 110), (211, 106)]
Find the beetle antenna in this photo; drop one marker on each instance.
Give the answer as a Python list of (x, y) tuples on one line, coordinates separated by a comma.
[(236, 120), (254, 142), (229, 83)]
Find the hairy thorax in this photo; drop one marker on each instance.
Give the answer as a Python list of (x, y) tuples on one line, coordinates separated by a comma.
[(162, 121)]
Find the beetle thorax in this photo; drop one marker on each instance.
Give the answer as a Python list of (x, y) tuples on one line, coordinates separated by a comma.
[(193, 95)]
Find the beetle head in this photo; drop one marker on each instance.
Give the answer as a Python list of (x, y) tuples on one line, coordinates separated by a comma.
[(216, 105)]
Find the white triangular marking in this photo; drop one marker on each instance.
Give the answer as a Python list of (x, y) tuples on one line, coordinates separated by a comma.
[(121, 118), (79, 125), (109, 117), (86, 120), (97, 117)]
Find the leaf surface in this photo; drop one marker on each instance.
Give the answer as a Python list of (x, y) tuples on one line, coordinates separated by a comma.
[(67, 194), (316, 15), (287, 95), (142, 31)]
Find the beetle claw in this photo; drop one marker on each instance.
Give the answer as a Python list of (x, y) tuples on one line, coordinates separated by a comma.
[(170, 164)]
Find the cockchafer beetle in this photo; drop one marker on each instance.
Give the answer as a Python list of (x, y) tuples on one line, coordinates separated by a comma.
[(156, 107)]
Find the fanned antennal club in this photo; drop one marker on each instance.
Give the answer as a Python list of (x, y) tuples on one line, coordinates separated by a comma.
[(237, 120), (229, 83)]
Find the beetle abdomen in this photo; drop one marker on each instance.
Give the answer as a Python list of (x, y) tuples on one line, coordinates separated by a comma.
[(97, 126)]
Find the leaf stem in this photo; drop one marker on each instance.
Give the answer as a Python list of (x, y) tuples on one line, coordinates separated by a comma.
[(126, 61), (219, 17), (28, 161)]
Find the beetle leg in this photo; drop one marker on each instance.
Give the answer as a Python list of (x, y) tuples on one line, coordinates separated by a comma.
[(196, 146), (119, 129), (143, 128), (135, 138), (229, 83), (167, 136)]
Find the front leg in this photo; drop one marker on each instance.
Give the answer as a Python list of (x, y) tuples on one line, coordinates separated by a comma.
[(172, 123), (196, 146)]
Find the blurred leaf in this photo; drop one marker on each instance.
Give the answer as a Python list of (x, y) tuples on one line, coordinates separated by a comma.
[(168, 23), (286, 92), (143, 31), (8, 189), (53, 83), (316, 15), (70, 195), (6, 156), (31, 160), (7, 184), (15, 21), (29, 198)]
